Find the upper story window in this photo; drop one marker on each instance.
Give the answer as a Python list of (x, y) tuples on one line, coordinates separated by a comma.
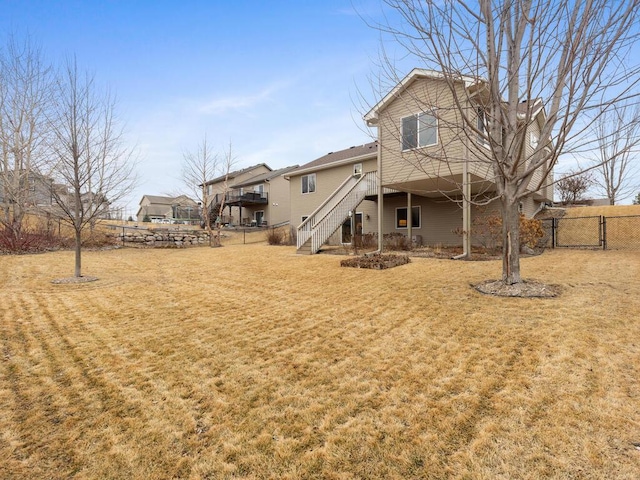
[(309, 183), (533, 140), (420, 130), (481, 125), (357, 169)]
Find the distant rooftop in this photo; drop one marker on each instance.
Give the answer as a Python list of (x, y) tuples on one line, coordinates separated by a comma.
[(236, 173), (341, 155), (263, 177)]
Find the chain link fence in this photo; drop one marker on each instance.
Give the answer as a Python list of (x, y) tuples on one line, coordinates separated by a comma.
[(607, 233)]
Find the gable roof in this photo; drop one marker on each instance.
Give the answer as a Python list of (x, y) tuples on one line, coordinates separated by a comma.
[(265, 177), (237, 173), (332, 159), (371, 117), (158, 199), (162, 200)]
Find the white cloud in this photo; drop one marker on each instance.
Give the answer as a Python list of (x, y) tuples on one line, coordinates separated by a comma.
[(225, 104)]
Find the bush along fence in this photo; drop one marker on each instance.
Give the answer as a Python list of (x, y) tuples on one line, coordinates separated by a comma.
[(597, 232)]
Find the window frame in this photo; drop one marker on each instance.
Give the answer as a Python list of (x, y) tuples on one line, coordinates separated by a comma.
[(404, 143), (481, 125), (302, 183), (357, 169), (413, 207), (534, 140)]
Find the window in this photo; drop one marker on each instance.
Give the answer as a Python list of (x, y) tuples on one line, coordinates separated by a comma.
[(357, 170), (483, 136), (419, 130), (309, 183), (533, 140), (401, 217)]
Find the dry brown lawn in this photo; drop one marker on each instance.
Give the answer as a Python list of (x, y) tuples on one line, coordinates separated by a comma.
[(248, 361)]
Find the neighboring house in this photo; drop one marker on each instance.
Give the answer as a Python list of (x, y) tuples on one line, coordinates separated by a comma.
[(236, 199), (265, 198), (253, 196), (32, 188), (379, 183), (96, 202), (168, 209)]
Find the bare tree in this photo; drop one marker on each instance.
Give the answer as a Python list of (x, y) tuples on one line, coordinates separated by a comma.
[(207, 174), (93, 167), (25, 86), (228, 162), (618, 135), (561, 64), (572, 186), (197, 168)]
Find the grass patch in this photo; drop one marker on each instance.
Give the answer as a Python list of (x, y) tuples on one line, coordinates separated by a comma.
[(252, 362)]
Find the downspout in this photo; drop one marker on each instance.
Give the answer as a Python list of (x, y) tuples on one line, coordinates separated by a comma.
[(380, 197), (380, 203), (409, 220)]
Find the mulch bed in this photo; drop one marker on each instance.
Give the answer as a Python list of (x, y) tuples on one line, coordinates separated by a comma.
[(83, 279), (376, 261), (524, 289)]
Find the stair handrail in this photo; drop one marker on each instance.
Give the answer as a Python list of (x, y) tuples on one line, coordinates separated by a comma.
[(331, 222), (307, 229)]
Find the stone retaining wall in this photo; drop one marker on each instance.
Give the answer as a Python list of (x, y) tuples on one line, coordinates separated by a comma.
[(149, 238)]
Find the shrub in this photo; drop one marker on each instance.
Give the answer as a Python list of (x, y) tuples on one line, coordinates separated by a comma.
[(275, 236), (396, 241), (39, 240), (487, 230), (293, 235), (367, 240)]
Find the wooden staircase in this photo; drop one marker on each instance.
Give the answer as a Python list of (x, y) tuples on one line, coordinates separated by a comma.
[(332, 213)]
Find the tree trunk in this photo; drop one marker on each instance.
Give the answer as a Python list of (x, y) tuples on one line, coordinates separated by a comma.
[(78, 268), (510, 241)]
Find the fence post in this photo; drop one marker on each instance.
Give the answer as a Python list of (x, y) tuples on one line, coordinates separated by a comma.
[(603, 219), (553, 232), (123, 235)]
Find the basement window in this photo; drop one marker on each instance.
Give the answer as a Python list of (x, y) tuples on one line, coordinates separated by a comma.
[(401, 217), (419, 130)]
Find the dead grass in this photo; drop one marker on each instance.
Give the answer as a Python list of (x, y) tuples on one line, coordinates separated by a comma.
[(607, 210), (251, 362)]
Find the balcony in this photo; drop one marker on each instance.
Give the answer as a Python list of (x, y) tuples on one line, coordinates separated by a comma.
[(237, 198)]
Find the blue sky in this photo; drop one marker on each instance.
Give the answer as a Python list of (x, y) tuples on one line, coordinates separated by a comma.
[(280, 80), (284, 81)]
